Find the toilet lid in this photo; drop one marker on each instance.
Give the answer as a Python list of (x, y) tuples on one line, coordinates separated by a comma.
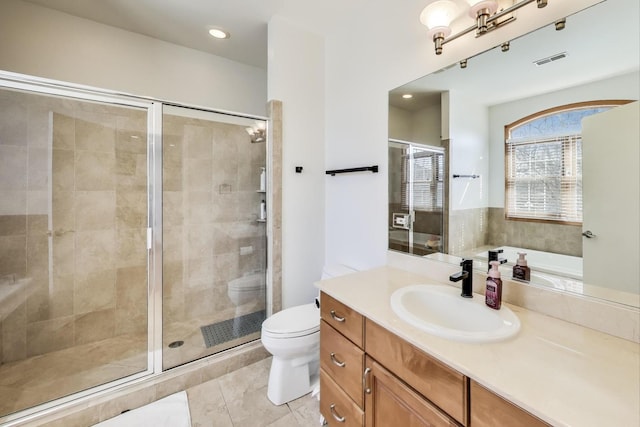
[(241, 287), (293, 321)]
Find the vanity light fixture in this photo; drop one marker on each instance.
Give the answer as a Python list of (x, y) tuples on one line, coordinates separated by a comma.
[(437, 17), (257, 132)]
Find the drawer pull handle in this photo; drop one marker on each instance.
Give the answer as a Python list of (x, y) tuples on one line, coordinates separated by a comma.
[(336, 361), (365, 381), (337, 417), (336, 317)]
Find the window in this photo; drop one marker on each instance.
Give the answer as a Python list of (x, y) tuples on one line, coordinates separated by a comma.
[(427, 168), (543, 164)]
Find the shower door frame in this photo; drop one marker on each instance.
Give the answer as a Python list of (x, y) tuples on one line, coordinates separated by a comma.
[(154, 107), (410, 198)]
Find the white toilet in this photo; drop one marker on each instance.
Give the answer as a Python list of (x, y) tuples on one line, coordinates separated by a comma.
[(292, 336), (247, 288), (243, 290)]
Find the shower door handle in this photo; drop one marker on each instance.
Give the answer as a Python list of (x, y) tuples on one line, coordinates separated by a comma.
[(58, 233)]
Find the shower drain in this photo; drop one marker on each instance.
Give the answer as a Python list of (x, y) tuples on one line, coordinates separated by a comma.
[(176, 344)]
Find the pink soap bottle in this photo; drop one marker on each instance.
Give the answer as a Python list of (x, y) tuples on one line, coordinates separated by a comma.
[(493, 293)]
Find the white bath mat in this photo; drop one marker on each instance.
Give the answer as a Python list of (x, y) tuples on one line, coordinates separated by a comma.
[(172, 411)]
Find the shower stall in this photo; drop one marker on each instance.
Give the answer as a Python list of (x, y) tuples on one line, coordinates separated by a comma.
[(416, 197), (123, 222)]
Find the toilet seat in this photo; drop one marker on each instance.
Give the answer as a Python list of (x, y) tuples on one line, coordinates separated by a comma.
[(293, 322)]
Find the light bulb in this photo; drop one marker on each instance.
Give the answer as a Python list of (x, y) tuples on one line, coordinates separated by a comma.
[(478, 5), (438, 16), (219, 34)]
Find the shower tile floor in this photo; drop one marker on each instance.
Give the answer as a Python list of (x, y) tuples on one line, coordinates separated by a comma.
[(37, 379), (31, 381)]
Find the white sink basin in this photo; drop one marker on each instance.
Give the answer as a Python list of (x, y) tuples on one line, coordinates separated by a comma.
[(441, 311)]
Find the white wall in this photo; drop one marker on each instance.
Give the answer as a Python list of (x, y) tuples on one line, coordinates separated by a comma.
[(626, 86), (422, 126), (41, 42), (469, 149), (296, 77), (426, 125), (400, 122), (383, 47)]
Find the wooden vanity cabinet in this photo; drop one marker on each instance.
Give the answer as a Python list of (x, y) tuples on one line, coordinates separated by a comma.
[(443, 387), (390, 402), (341, 364), (490, 410), (371, 377)]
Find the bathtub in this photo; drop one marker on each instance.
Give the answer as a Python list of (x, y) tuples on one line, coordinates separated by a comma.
[(538, 261), (425, 240)]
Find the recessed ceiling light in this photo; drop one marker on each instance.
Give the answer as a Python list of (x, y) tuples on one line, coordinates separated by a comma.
[(219, 34), (407, 96)]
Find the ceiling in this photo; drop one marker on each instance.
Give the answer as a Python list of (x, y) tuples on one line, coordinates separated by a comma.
[(187, 22), (600, 42), (608, 29)]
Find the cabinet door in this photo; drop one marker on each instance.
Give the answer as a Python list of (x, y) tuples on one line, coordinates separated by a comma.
[(390, 402), (490, 410), (445, 387)]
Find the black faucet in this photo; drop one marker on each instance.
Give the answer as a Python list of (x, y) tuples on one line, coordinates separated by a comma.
[(494, 255), (466, 275)]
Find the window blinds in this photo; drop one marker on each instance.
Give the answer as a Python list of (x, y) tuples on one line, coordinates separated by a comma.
[(428, 180), (544, 179)]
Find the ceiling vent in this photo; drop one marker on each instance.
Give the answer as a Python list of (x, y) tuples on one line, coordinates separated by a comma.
[(551, 58)]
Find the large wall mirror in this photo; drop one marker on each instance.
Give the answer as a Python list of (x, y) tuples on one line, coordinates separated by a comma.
[(575, 90)]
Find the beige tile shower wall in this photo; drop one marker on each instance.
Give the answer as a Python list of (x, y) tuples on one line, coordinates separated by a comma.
[(94, 158), (211, 174), (274, 108), (468, 229), (23, 195), (557, 238)]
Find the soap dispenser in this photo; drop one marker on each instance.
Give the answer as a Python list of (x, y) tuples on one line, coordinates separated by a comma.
[(493, 292), (521, 271)]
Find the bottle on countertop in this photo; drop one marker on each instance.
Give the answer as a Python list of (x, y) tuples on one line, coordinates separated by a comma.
[(493, 292), (521, 271)]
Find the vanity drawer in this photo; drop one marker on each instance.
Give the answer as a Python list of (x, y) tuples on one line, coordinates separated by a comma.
[(443, 386), (489, 409), (348, 322), (335, 406), (343, 361)]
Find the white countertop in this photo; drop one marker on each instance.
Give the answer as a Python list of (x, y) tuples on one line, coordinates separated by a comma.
[(563, 373)]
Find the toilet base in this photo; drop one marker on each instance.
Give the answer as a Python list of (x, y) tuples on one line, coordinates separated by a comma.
[(291, 379)]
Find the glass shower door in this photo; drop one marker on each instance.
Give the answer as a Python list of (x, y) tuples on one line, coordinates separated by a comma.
[(73, 245), (416, 198), (214, 235)]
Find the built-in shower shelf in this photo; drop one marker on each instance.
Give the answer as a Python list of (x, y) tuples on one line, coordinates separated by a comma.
[(261, 191), (261, 220)]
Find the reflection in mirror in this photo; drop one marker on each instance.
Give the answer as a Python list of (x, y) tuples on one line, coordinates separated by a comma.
[(416, 197), (470, 109)]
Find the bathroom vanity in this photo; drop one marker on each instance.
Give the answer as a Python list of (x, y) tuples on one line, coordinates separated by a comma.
[(377, 370)]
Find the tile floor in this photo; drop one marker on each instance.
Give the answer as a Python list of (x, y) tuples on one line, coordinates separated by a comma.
[(239, 399)]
